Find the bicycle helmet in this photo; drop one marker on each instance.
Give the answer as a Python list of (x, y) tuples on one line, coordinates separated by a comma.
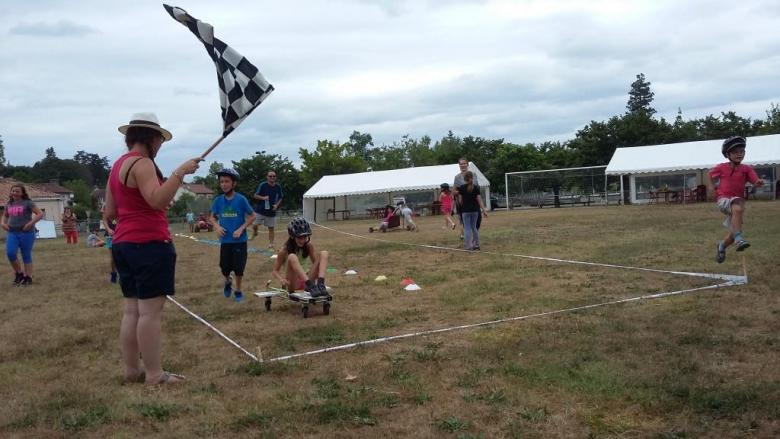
[(228, 172), (731, 143), (298, 227)]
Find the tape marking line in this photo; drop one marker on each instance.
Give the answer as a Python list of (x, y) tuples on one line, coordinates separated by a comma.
[(209, 325), (730, 279)]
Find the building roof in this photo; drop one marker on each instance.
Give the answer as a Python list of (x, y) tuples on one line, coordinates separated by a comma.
[(760, 151), (198, 189), (395, 180), (51, 187), (35, 192)]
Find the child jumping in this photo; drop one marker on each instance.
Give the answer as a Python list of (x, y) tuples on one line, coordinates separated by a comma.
[(297, 248), (231, 214), (445, 198), (731, 177)]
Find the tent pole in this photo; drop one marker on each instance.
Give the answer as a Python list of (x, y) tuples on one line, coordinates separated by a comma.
[(622, 196)]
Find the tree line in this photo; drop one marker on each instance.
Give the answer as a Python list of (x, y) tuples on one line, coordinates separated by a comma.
[(592, 145)]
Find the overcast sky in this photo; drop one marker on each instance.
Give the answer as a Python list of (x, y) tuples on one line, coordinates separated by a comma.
[(71, 72)]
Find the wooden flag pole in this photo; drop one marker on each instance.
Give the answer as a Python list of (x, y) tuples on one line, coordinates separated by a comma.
[(211, 148)]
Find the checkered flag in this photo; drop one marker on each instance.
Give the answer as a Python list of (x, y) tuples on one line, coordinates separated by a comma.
[(241, 86)]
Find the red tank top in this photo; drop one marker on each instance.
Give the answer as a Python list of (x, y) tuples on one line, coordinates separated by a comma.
[(137, 222)]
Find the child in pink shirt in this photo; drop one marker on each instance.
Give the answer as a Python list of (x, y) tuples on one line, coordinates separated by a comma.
[(445, 198), (731, 177)]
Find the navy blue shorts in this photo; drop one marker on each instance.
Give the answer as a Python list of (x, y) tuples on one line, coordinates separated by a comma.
[(145, 270), (232, 257)]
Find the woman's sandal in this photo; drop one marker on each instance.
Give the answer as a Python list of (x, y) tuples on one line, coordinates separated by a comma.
[(170, 378)]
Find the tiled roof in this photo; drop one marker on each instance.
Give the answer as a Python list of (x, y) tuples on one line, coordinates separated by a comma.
[(33, 190), (197, 188)]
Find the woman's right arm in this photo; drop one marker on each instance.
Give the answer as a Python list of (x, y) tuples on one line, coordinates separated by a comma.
[(157, 195), (3, 221)]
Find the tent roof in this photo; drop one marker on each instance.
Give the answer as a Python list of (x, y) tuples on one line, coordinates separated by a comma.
[(761, 150), (395, 180)]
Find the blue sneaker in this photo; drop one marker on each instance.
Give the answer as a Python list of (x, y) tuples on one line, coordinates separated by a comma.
[(238, 296), (228, 290), (741, 245), (720, 256)]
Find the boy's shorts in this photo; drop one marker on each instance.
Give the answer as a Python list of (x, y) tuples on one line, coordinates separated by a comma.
[(268, 221), (232, 257), (108, 240), (145, 270), (724, 206)]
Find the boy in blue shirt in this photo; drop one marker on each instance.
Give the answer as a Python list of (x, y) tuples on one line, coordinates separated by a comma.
[(231, 214)]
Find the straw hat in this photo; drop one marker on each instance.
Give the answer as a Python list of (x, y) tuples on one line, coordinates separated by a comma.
[(146, 120)]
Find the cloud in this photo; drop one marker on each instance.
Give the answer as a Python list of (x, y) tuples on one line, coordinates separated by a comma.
[(62, 28)]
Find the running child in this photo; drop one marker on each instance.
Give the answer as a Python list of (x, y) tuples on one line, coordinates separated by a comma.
[(445, 198), (297, 248), (731, 177), (231, 214)]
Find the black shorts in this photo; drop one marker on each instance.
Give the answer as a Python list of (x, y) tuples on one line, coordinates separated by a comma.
[(145, 270), (232, 257)]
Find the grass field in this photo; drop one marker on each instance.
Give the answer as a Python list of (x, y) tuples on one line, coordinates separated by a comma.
[(703, 364)]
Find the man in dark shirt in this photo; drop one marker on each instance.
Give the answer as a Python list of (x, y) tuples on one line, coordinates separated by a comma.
[(268, 198)]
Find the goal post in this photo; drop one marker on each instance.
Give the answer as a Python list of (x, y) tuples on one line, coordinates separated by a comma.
[(581, 186)]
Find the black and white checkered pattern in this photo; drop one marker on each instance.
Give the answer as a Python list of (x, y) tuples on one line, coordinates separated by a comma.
[(241, 86)]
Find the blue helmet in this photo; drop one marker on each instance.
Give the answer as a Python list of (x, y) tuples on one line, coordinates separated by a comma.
[(228, 172)]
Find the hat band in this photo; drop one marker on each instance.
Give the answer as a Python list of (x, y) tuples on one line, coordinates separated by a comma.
[(143, 122)]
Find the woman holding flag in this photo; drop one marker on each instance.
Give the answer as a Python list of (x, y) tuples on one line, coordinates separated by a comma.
[(137, 196)]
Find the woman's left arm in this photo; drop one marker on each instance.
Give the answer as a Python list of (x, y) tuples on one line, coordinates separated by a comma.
[(481, 206), (37, 215)]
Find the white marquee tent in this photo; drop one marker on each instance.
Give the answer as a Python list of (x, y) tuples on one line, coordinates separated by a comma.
[(357, 192), (685, 165)]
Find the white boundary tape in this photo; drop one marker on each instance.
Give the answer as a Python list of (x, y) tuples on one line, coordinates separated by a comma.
[(494, 322), (729, 278), (200, 319), (726, 277)]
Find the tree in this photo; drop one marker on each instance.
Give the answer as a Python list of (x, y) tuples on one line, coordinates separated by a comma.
[(50, 154), (2, 153), (82, 194), (98, 167), (210, 180), (640, 97), (253, 171), (52, 167), (359, 144), (329, 158)]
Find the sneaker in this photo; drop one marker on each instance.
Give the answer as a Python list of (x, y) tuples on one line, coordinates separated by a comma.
[(18, 278), (27, 280), (312, 288), (228, 290), (741, 245), (322, 290), (238, 296), (461, 237), (370, 230), (476, 248), (113, 277), (721, 253)]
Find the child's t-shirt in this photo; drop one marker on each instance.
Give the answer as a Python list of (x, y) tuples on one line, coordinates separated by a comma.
[(446, 200), (92, 240), (732, 179), (232, 214), (407, 213)]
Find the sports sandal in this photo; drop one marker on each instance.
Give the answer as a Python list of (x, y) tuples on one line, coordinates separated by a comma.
[(169, 378)]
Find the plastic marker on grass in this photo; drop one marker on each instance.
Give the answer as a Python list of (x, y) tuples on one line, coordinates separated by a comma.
[(381, 278), (413, 287), (350, 273)]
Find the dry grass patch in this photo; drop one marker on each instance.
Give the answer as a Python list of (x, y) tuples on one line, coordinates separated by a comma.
[(686, 366)]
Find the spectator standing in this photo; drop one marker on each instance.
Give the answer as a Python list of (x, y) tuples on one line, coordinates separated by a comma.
[(268, 198)]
